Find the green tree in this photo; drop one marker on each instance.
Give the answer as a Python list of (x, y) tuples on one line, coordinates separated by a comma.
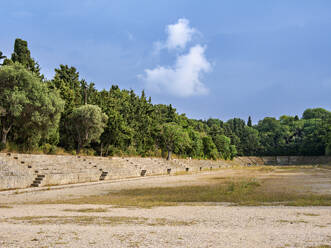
[(66, 81), (118, 135), (250, 141), (233, 151), (27, 104), (87, 124), (314, 135), (249, 122), (235, 129), (22, 55), (173, 138), (196, 148), (209, 148), (272, 136), (316, 113), (223, 145)]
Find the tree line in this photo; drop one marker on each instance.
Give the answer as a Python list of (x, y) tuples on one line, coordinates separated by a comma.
[(69, 113)]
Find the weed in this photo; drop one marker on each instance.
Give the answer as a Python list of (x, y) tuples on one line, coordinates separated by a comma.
[(5, 206), (87, 210), (292, 221), (308, 214)]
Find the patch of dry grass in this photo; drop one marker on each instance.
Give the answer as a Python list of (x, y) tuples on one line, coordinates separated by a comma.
[(308, 214), (292, 221), (250, 186), (97, 220), (320, 246), (5, 206), (87, 210), (249, 191)]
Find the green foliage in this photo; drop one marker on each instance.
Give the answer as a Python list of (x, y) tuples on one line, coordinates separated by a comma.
[(2, 146), (29, 108), (223, 145), (173, 138), (328, 149), (87, 125), (209, 148), (195, 150), (68, 112), (22, 55), (316, 113), (249, 122), (49, 149)]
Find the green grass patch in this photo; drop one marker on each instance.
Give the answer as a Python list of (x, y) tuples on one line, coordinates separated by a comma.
[(245, 192)]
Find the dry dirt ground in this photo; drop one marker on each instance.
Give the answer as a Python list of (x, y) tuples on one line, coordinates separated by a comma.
[(26, 223)]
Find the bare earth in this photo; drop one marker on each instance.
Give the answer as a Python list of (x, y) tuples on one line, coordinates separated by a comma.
[(24, 224)]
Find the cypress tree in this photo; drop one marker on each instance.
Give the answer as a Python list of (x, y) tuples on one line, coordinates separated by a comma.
[(249, 122)]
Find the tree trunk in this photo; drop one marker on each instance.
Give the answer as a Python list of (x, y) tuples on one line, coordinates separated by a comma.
[(85, 97), (169, 155), (78, 148), (4, 134), (79, 142), (4, 138), (101, 149)]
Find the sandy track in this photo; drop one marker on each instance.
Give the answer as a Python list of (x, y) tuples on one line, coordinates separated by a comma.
[(181, 226), (36, 225)]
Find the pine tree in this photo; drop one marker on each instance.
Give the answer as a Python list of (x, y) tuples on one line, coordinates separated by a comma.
[(249, 122)]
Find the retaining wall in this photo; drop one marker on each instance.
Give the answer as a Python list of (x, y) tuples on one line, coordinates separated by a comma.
[(284, 160), (28, 170)]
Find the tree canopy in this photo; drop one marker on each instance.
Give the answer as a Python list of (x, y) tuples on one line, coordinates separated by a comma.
[(87, 124), (27, 105), (67, 111)]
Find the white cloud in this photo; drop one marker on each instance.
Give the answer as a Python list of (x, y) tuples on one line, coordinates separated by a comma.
[(179, 34), (183, 79)]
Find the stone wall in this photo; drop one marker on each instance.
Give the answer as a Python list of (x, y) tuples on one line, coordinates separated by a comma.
[(284, 160), (27, 170)]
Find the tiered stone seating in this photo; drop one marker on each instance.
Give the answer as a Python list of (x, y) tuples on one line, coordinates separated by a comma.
[(13, 173), (26, 170)]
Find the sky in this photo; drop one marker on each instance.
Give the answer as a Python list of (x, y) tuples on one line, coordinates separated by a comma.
[(209, 59)]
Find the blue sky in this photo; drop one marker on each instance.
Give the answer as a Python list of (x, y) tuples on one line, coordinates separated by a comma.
[(219, 59)]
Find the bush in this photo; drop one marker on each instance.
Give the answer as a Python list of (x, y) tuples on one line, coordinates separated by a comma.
[(49, 149), (328, 150), (2, 146), (88, 152), (131, 151), (12, 147)]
